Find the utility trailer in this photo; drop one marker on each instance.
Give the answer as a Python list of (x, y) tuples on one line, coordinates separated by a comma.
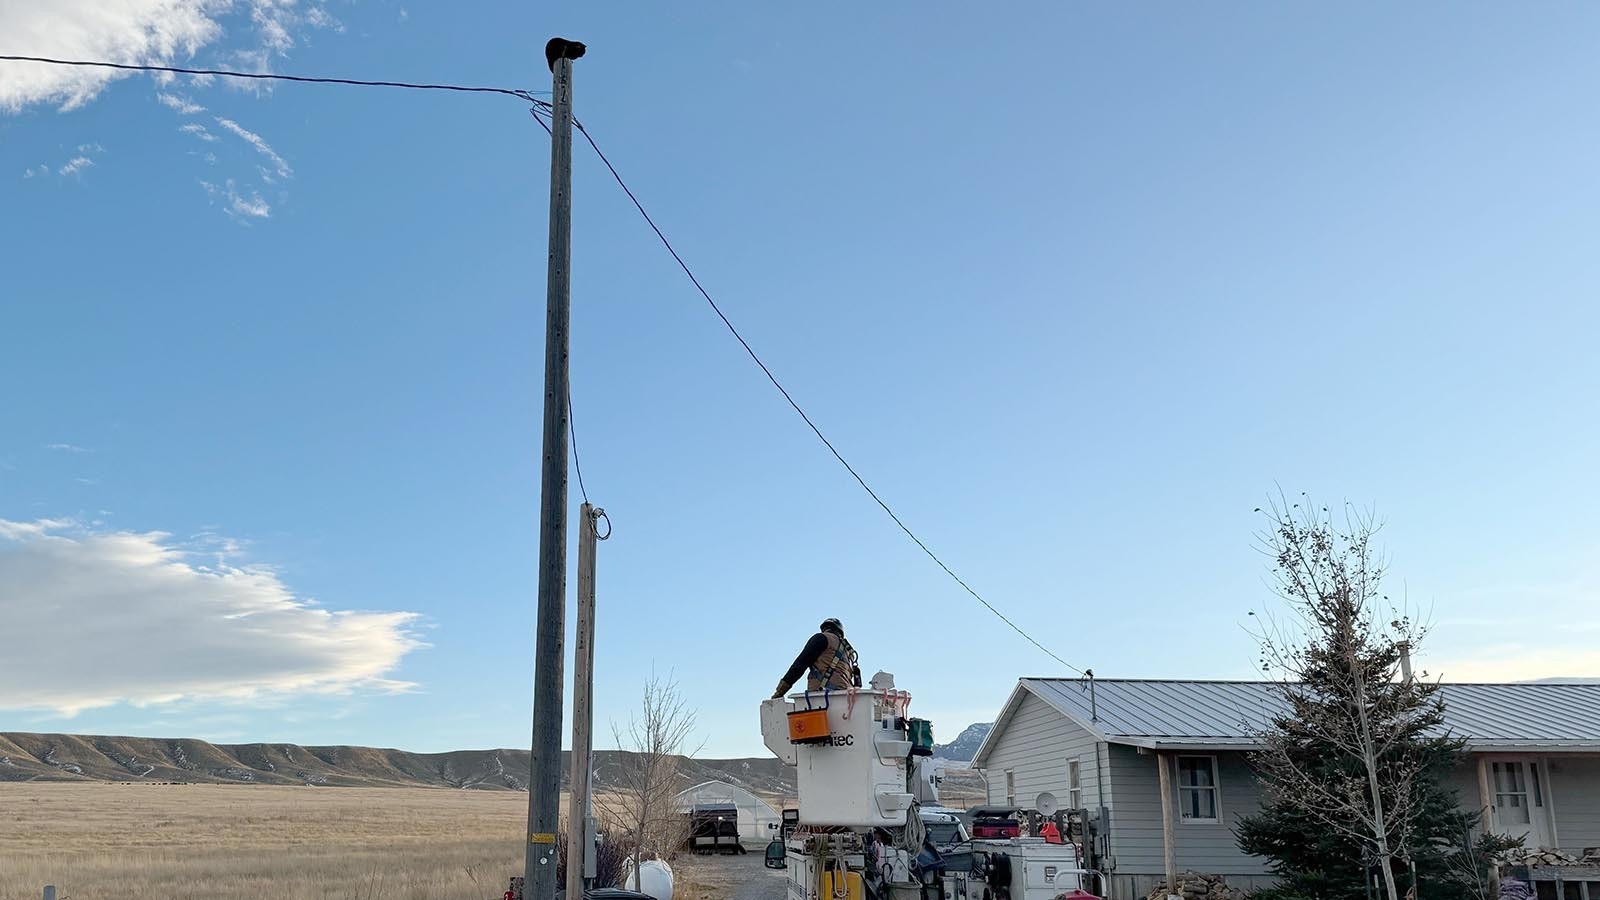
[(714, 828)]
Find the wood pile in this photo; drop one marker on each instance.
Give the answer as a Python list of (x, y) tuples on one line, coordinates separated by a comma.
[(1537, 856), (1197, 886)]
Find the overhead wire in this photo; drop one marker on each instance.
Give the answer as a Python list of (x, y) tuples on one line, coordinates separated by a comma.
[(538, 107), (572, 431), (765, 370), (273, 76)]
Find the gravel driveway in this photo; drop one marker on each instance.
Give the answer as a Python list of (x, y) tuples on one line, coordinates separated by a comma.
[(736, 877)]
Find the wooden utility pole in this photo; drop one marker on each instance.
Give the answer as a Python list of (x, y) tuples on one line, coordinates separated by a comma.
[(544, 777), (1169, 854), (579, 846)]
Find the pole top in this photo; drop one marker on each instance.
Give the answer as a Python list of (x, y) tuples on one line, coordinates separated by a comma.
[(561, 48)]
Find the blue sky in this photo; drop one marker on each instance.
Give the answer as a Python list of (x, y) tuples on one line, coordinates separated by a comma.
[(1074, 286)]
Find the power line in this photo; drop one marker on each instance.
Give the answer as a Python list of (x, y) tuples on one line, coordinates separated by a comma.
[(796, 406), (542, 106), (572, 430), (267, 76)]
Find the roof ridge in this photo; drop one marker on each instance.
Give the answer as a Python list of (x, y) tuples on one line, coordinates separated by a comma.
[(1575, 682)]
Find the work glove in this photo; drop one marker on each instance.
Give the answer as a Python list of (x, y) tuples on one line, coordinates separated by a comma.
[(778, 694)]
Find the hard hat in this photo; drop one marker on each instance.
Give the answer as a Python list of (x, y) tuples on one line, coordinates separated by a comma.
[(831, 625)]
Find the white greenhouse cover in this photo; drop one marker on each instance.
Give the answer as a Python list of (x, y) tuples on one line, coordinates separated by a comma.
[(755, 814)]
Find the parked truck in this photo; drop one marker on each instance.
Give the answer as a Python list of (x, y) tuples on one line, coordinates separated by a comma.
[(864, 772)]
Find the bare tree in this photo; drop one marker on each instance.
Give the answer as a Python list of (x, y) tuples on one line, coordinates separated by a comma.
[(640, 799), (1348, 749)]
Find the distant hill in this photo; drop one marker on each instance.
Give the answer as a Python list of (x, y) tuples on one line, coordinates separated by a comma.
[(966, 744), (69, 757)]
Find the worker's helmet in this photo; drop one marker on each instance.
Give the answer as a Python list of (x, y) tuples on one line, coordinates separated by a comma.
[(832, 625)]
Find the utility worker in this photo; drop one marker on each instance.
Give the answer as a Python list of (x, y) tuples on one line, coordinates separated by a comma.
[(828, 661)]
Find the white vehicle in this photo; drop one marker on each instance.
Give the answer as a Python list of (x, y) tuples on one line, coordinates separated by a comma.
[(943, 827), (869, 821)]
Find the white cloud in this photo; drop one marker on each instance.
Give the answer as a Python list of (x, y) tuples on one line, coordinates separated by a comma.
[(182, 104), (1517, 662), (72, 166), (198, 131), (236, 204), (95, 618), (262, 147), (130, 31), (134, 31), (68, 448)]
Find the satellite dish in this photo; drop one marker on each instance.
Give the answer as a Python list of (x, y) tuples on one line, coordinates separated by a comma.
[(1046, 804)]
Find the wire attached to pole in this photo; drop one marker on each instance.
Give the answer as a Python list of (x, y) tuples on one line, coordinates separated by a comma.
[(797, 408), (270, 76)]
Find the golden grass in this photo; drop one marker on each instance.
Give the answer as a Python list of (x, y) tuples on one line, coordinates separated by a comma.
[(230, 842), (106, 841)]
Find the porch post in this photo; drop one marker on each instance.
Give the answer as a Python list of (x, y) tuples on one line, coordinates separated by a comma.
[(1549, 800), (1486, 801), (1162, 760)]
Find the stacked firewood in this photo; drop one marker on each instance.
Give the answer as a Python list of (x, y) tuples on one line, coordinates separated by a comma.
[(1198, 886), (1537, 856)]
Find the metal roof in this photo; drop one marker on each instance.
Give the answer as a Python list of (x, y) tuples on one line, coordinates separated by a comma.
[(1196, 714)]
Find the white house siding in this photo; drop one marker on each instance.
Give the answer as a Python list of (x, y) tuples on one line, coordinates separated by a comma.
[(1136, 841), (1575, 789), (1035, 747)]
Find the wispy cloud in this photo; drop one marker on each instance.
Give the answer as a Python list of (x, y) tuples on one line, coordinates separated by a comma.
[(68, 448), (137, 31), (1517, 662), (82, 158), (198, 131), (183, 105), (237, 204), (279, 166), (75, 165), (149, 622)]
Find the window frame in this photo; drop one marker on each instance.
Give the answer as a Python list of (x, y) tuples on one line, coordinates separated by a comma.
[(1074, 784), (1011, 787), (1215, 788)]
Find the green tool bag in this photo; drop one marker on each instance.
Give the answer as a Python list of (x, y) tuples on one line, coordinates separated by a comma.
[(921, 733)]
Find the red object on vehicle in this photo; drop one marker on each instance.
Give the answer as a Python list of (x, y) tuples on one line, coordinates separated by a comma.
[(1076, 894)]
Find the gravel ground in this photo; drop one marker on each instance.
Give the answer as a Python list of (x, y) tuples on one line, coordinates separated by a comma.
[(731, 878)]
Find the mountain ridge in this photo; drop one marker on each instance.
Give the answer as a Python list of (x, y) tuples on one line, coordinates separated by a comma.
[(966, 744), (33, 756)]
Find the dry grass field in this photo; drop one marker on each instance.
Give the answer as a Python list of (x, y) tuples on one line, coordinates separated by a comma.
[(102, 841)]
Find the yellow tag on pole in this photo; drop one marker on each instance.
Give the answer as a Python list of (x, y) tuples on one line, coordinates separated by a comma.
[(541, 839)]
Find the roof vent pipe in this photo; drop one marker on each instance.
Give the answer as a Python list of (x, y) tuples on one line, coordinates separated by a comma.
[(1405, 661)]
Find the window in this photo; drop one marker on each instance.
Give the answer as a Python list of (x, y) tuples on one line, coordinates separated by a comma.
[(1075, 786), (1011, 788), (1197, 789)]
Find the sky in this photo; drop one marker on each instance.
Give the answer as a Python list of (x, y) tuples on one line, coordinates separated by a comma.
[(1076, 287)]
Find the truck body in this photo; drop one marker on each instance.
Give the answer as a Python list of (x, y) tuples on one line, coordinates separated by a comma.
[(869, 825)]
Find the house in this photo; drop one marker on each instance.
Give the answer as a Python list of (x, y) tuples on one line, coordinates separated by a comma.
[(1165, 766)]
